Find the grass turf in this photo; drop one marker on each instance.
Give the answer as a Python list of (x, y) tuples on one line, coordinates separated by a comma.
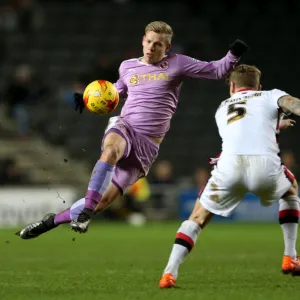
[(117, 261)]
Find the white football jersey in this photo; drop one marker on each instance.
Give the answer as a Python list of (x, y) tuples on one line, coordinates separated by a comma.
[(248, 122)]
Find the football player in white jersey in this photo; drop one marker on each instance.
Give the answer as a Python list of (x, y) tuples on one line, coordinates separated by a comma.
[(248, 124)]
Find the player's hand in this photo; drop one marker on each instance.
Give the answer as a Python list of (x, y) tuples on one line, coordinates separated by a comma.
[(238, 48), (287, 123), (78, 100)]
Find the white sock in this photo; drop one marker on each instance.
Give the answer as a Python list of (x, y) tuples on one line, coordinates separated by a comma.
[(288, 219), (186, 237)]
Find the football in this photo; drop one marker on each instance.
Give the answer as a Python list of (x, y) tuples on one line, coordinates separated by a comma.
[(101, 97)]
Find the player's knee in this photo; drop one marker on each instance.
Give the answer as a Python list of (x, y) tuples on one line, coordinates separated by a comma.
[(111, 153), (197, 219), (290, 198), (201, 216), (291, 193)]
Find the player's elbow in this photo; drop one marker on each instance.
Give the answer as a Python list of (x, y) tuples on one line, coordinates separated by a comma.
[(222, 69), (220, 74)]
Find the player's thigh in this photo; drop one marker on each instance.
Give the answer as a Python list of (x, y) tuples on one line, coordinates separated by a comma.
[(115, 142)]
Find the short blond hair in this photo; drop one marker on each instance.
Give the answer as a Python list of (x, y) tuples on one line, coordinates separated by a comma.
[(245, 76), (160, 27)]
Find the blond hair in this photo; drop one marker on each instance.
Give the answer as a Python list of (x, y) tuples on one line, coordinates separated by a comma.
[(160, 27), (245, 76)]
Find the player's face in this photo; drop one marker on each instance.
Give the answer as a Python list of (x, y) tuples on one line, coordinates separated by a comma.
[(155, 46)]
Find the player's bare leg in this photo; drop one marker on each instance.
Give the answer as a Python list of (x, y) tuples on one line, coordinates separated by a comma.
[(186, 237), (108, 198), (111, 194), (80, 213), (51, 220), (114, 147), (288, 218)]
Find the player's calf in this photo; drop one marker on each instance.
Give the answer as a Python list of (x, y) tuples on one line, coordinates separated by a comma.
[(288, 219), (114, 147), (185, 240)]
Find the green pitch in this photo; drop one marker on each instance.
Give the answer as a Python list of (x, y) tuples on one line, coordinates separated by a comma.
[(116, 261)]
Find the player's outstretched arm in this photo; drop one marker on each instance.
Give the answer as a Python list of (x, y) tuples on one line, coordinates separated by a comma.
[(218, 69), (290, 104)]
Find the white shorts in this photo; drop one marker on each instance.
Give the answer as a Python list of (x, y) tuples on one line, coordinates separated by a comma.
[(234, 176)]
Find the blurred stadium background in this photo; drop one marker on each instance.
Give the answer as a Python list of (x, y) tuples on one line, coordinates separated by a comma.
[(50, 49)]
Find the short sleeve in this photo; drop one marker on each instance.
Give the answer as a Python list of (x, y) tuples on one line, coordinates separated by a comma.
[(275, 95)]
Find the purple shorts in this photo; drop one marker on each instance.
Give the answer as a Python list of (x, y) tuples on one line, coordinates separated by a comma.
[(138, 157)]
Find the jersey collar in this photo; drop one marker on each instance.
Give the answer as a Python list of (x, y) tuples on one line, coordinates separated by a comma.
[(246, 89)]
